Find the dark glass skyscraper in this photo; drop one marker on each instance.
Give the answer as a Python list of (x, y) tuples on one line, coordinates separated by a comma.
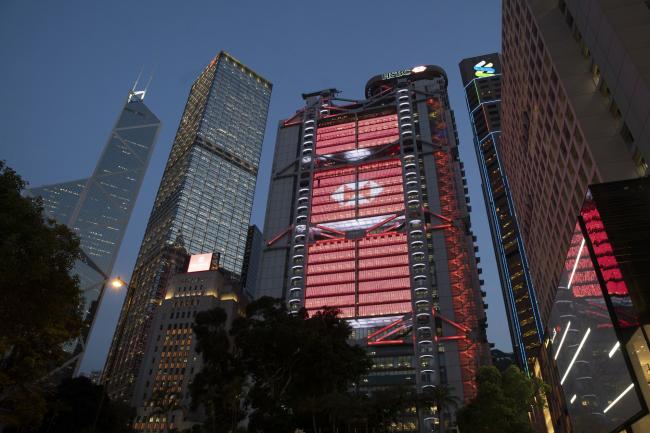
[(367, 213), (482, 80), (98, 208), (252, 259), (204, 200)]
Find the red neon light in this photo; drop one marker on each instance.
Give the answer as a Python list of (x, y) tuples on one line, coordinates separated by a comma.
[(605, 257), (344, 311), (335, 290), (384, 285), (381, 297), (384, 309), (355, 135), (465, 301), (330, 301)]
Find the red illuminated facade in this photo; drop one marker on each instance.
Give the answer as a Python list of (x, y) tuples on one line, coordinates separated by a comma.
[(367, 214)]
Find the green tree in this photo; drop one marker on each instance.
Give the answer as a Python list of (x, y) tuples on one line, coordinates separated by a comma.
[(386, 406), (79, 406), (287, 370), (39, 300), (503, 402), (218, 386)]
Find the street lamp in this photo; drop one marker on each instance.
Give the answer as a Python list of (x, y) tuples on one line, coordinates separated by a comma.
[(117, 283)]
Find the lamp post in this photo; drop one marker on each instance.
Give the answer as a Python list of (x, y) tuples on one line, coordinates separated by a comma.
[(116, 284)]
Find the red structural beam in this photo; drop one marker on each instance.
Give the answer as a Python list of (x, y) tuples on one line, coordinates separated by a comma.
[(393, 332), (338, 232), (381, 223), (439, 226), (385, 342), (452, 323), (451, 337), (436, 215), (278, 237), (390, 325)]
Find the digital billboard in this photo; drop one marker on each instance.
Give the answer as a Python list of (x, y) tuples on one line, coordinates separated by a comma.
[(200, 262)]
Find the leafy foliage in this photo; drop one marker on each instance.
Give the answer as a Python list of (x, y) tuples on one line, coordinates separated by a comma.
[(79, 406), (502, 403), (286, 371), (292, 372), (218, 386), (39, 300)]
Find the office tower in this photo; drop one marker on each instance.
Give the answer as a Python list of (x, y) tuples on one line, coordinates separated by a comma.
[(367, 213), (482, 80), (205, 198), (98, 208), (252, 258), (575, 95), (162, 395), (599, 323)]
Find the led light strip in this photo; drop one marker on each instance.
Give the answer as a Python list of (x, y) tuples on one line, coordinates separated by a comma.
[(575, 356), (575, 265), (616, 346), (573, 398), (619, 397), (566, 331)]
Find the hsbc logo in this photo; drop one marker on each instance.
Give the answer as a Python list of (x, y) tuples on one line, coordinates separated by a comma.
[(364, 191)]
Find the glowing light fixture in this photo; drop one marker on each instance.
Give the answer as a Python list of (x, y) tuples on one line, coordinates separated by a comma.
[(419, 69), (573, 398), (117, 283), (613, 351), (620, 396), (566, 330), (575, 265), (575, 356)]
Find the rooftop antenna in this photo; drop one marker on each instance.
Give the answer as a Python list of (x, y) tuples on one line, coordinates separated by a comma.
[(149, 82), (134, 94)]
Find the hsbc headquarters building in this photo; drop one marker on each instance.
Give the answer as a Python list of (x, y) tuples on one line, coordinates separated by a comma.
[(367, 213)]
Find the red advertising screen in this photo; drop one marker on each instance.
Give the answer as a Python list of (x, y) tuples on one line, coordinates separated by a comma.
[(365, 277), (357, 192)]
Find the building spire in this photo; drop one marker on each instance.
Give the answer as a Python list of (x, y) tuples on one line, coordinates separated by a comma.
[(138, 95)]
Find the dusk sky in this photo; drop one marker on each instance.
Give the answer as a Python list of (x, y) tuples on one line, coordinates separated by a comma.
[(66, 68)]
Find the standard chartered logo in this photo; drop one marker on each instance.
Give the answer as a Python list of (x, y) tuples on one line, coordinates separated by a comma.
[(484, 69)]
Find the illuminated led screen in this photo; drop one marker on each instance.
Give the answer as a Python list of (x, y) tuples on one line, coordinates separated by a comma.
[(363, 277), (367, 276), (353, 192), (360, 134), (200, 262)]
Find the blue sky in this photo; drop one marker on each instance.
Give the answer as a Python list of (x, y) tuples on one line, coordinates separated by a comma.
[(65, 69)]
